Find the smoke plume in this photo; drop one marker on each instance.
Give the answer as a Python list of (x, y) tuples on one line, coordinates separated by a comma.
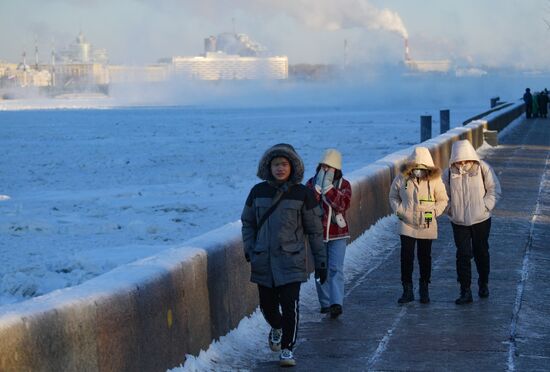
[(342, 14), (317, 14)]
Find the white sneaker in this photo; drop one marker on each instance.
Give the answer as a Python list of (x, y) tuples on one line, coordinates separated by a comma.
[(275, 337), (286, 359)]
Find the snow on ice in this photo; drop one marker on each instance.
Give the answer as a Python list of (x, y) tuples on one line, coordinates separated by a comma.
[(89, 183), (90, 190)]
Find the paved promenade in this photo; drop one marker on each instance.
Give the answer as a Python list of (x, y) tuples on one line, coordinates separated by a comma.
[(508, 331)]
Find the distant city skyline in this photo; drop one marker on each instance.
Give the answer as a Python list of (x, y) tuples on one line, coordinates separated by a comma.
[(510, 33)]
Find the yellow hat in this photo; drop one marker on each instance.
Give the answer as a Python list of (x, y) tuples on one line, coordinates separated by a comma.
[(332, 158)]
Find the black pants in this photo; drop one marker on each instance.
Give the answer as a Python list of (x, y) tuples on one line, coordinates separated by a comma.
[(472, 241), (424, 253), (285, 296), (528, 110)]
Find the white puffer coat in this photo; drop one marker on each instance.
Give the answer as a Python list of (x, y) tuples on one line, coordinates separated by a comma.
[(473, 194), (411, 197)]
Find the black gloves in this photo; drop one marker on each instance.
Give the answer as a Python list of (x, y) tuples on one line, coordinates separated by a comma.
[(247, 257), (321, 275)]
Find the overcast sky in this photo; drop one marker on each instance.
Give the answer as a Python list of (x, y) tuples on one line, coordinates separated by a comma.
[(479, 32)]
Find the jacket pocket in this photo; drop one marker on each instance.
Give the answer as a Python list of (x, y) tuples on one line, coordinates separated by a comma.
[(262, 205), (259, 263), (478, 209), (260, 246), (409, 216), (293, 257), (292, 247), (290, 223)]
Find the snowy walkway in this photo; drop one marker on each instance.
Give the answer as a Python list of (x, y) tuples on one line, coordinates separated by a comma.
[(507, 331)]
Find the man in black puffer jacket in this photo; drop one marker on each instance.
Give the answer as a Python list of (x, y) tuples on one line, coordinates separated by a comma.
[(278, 216)]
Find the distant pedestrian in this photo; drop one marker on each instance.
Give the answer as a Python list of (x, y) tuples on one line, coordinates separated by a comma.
[(535, 105), (528, 100), (543, 103), (473, 189), (333, 192), (418, 197), (278, 215)]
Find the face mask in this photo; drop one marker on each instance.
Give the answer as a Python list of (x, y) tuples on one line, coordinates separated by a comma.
[(419, 173), (464, 168)]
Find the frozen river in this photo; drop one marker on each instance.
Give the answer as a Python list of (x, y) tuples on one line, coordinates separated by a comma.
[(92, 189)]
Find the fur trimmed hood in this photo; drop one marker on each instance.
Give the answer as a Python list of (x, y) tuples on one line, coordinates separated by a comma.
[(281, 150), (421, 158), (433, 172)]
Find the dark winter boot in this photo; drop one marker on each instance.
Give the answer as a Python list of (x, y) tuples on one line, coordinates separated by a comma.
[(335, 311), (465, 297), (424, 293), (483, 290), (407, 295)]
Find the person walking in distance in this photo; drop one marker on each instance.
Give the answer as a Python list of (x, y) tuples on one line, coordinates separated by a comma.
[(333, 192), (543, 103), (279, 214), (418, 197), (474, 190), (535, 105), (528, 100)]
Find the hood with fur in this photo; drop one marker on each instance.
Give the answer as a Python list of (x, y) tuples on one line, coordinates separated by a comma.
[(421, 158), (463, 151), (281, 150)]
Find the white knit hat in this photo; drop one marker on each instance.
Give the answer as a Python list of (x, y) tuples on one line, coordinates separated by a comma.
[(332, 158)]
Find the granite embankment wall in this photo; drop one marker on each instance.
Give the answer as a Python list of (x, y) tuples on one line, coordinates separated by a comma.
[(147, 315)]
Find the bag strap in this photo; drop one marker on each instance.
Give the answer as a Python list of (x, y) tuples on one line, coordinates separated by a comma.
[(274, 203)]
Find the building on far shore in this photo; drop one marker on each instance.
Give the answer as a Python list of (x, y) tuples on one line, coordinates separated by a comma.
[(425, 66), (82, 68), (231, 56), (122, 74), (78, 68), (441, 66), (228, 56), (221, 66), (82, 52)]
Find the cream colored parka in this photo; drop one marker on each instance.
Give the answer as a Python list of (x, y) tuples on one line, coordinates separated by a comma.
[(473, 193), (410, 197)]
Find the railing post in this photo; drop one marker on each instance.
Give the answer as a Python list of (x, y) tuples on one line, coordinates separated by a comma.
[(444, 121), (494, 101), (425, 127)]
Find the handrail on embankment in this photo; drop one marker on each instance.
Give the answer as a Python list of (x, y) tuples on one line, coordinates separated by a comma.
[(147, 315), (498, 107)]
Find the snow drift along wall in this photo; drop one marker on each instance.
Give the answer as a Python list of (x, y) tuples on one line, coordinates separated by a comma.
[(147, 315)]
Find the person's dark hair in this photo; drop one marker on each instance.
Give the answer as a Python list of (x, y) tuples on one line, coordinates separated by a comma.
[(337, 172)]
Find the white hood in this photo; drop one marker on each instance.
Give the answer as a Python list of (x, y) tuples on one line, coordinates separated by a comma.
[(421, 156), (463, 151)]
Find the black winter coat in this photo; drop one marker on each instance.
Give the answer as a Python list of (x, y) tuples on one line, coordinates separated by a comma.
[(277, 251)]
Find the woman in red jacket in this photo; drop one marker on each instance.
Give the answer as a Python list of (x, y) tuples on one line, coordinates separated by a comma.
[(333, 192)]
